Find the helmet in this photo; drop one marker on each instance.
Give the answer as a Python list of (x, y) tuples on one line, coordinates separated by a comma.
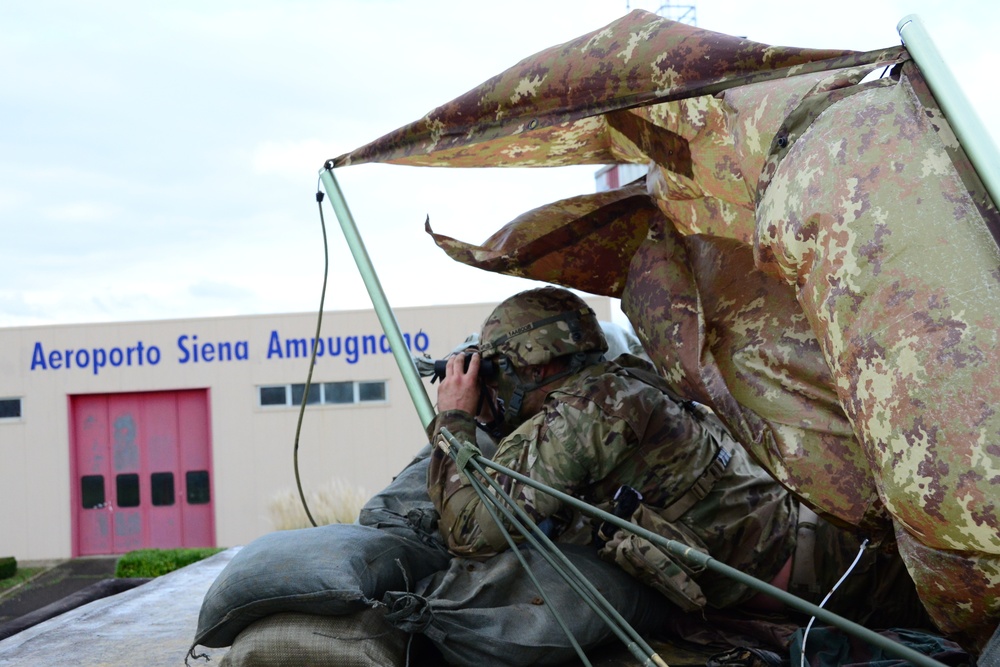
[(533, 328), (536, 326)]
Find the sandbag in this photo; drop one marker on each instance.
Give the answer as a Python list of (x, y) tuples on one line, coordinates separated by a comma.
[(330, 570), (403, 508), (490, 613), (293, 640)]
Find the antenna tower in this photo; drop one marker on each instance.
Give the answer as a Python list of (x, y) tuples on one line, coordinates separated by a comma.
[(679, 12)]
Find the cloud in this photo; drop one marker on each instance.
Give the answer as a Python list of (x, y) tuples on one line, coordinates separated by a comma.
[(160, 160), (10, 199), (288, 159), (82, 211), (219, 291)]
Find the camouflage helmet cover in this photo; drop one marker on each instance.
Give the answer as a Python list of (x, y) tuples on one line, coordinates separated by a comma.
[(538, 325)]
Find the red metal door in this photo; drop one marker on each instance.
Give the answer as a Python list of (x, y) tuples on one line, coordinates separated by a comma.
[(161, 442), (198, 528), (141, 471), (90, 438)]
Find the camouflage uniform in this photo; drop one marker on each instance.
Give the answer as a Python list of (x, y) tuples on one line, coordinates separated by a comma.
[(601, 429)]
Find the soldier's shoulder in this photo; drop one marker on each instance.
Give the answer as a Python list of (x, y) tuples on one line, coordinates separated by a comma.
[(605, 385)]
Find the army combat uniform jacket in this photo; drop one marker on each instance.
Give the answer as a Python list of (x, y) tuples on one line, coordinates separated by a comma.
[(604, 429)]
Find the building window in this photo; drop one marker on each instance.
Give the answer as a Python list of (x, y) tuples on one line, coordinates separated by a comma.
[(338, 392), (274, 395), (92, 491), (328, 393), (371, 391), (198, 492), (299, 389), (161, 484), (10, 408), (127, 490)]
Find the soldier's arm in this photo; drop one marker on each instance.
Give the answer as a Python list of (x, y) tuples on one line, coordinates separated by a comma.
[(569, 446), (566, 447), (453, 497)]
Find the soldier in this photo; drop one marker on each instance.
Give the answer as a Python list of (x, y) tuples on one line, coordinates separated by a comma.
[(613, 434), (610, 433)]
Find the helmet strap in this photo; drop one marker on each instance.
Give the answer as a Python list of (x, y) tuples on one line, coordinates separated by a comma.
[(493, 426), (512, 410)]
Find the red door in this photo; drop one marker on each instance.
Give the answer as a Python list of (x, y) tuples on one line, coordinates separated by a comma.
[(141, 471)]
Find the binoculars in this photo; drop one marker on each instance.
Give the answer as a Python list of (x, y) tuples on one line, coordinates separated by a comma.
[(487, 367)]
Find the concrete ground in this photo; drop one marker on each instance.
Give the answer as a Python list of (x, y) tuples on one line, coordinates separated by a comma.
[(150, 625)]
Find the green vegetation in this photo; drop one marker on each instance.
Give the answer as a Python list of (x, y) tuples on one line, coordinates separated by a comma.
[(149, 563), (8, 566), (21, 576)]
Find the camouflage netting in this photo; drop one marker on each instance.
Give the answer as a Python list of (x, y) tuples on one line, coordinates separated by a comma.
[(810, 254)]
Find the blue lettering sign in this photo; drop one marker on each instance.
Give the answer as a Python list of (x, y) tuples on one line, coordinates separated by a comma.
[(274, 346), (334, 351), (186, 354), (38, 357), (191, 351), (95, 358), (296, 347), (351, 348)]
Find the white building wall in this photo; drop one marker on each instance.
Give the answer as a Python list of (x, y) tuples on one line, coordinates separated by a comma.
[(252, 446)]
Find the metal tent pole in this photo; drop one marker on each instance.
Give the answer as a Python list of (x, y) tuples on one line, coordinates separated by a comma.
[(969, 129), (411, 378)]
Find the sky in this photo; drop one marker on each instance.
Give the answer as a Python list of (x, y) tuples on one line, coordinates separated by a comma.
[(159, 160)]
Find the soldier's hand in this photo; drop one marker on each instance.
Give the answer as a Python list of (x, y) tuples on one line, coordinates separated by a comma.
[(460, 388)]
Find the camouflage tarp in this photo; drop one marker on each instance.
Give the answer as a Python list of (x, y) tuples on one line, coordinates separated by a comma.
[(810, 254)]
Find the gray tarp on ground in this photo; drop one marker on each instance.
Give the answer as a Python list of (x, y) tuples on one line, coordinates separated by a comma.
[(490, 614)]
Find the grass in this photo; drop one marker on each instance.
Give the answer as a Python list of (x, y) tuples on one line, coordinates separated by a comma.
[(149, 563), (20, 576), (336, 502)]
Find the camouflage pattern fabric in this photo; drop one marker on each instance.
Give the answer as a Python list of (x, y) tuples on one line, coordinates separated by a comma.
[(735, 339), (604, 229), (893, 263), (602, 429), (547, 110), (856, 357), (535, 326)]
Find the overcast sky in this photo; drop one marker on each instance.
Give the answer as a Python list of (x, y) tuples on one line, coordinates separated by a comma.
[(159, 160)]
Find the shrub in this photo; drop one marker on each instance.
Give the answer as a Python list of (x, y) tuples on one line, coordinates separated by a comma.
[(337, 502), (8, 567), (149, 563)]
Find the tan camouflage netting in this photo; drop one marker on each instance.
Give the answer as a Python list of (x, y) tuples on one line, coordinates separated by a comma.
[(810, 255)]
